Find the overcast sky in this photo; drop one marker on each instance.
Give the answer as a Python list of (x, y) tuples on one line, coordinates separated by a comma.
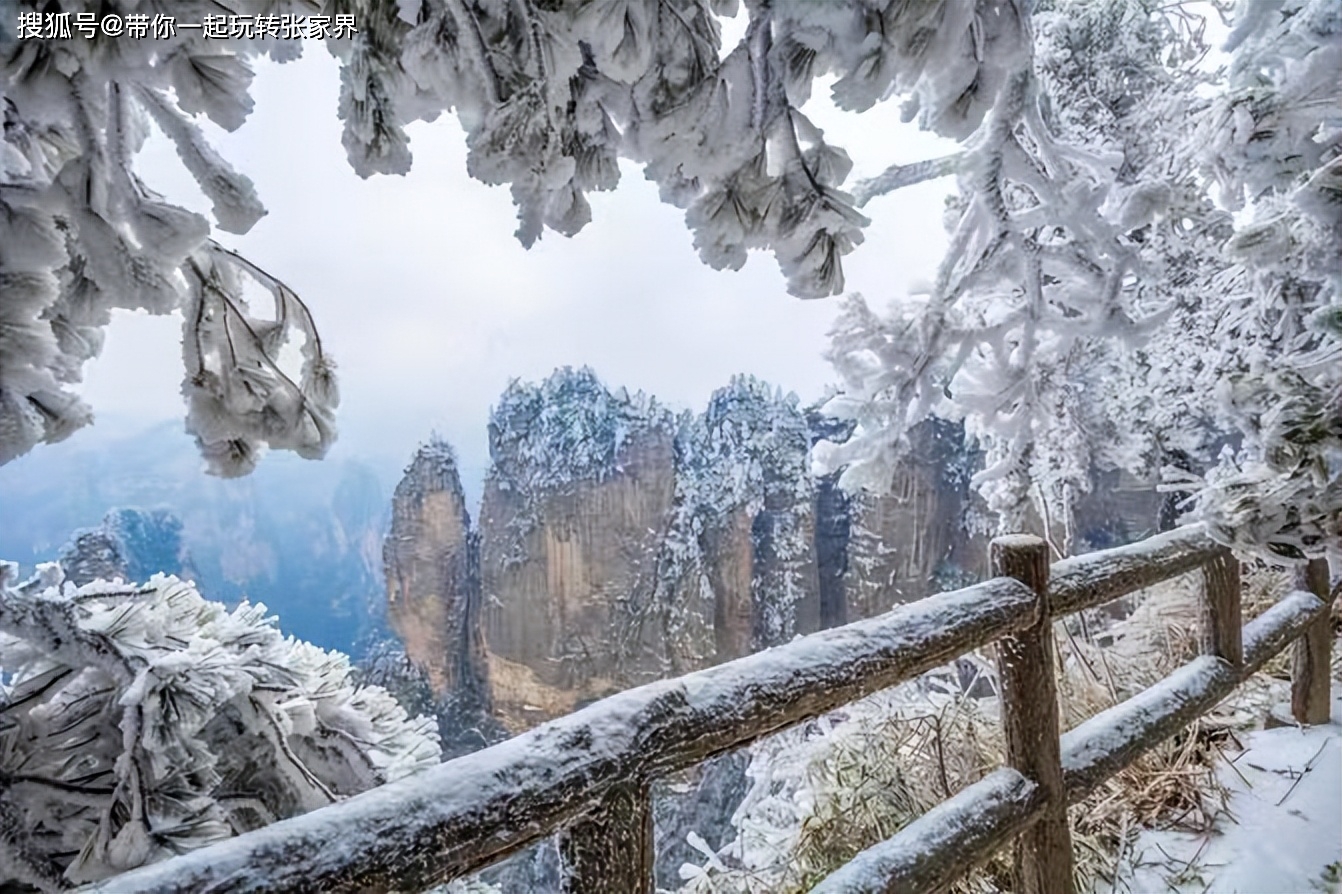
[(430, 306)]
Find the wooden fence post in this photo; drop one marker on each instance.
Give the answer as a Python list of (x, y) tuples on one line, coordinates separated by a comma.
[(1311, 700), (610, 851), (1222, 623), (1030, 719)]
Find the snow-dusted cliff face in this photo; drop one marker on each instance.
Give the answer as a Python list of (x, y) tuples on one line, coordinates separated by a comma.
[(431, 563), (620, 543), (747, 518), (576, 506), (130, 544)]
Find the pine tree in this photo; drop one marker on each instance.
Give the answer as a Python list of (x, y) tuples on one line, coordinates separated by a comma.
[(141, 721)]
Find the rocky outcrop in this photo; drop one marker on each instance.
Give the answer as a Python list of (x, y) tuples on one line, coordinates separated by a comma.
[(92, 555), (431, 561), (744, 468), (833, 526), (566, 574), (619, 543), (916, 539), (575, 511), (131, 545)]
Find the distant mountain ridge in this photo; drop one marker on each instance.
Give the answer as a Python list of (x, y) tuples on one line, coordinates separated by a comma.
[(302, 537), (619, 543)]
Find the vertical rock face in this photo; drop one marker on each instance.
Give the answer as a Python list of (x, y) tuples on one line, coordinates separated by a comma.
[(619, 544), (1120, 508), (433, 589), (915, 540), (576, 508), (727, 556), (744, 466), (93, 555), (833, 526), (131, 544)]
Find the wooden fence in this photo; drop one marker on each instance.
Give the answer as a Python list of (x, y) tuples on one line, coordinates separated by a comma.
[(586, 776)]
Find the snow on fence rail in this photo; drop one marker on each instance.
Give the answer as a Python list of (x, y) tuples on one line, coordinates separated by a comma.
[(586, 776), (1016, 802)]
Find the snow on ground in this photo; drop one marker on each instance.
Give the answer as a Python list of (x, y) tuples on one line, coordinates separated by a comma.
[(1284, 835)]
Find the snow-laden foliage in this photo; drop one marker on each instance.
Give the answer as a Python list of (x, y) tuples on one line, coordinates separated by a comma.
[(1273, 141), (141, 721), (82, 235), (1084, 311), (1096, 297), (550, 95), (1033, 283)]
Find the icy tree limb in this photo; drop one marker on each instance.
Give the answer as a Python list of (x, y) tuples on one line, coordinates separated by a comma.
[(19, 858), (899, 176)]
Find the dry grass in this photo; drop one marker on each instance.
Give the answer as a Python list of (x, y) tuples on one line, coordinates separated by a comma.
[(887, 770), (1174, 785), (893, 757)]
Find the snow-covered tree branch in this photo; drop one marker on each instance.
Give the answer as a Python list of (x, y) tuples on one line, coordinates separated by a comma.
[(1088, 316), (1274, 145), (550, 94), (140, 721), (81, 235), (1085, 313)]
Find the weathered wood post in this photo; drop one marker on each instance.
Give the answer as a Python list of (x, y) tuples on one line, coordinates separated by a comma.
[(609, 851), (1030, 720), (1311, 700), (1222, 624)]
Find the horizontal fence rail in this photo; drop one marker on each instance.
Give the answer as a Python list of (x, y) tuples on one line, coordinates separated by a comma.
[(1096, 578), (1111, 740), (586, 776), (946, 843), (467, 813), (962, 832)]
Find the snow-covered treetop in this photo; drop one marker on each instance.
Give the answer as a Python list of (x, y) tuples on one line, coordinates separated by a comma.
[(749, 447), (568, 428), (1095, 297), (1273, 141)]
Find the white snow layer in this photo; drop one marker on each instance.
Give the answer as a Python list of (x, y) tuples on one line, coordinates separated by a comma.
[(1284, 832)]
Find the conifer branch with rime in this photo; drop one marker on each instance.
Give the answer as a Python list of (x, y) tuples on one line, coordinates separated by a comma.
[(141, 721)]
